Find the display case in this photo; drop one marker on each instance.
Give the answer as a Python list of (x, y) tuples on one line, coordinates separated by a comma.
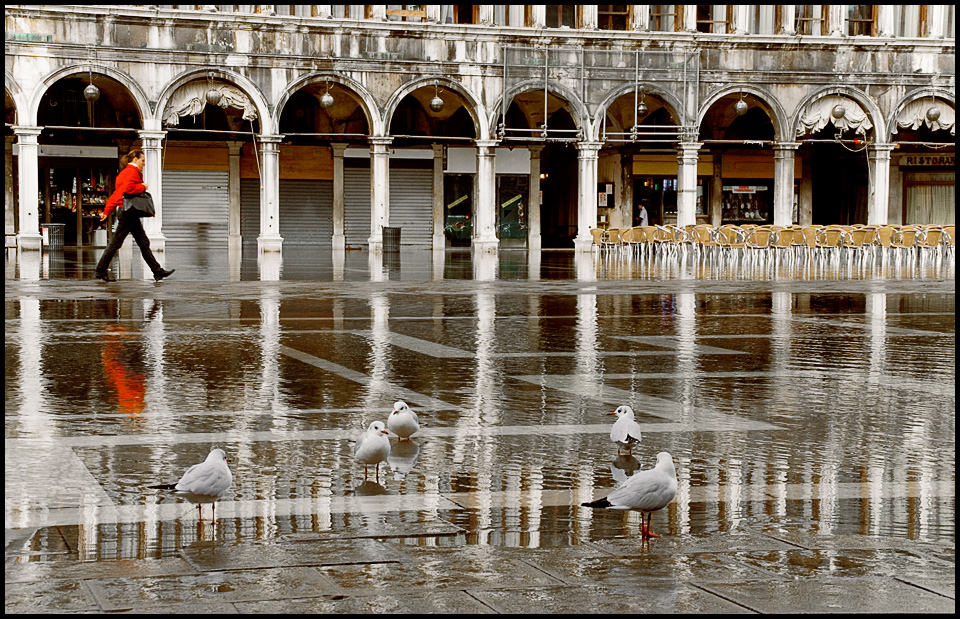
[(75, 195)]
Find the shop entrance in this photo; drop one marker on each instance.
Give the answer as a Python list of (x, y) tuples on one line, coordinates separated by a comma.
[(558, 182), (840, 185)]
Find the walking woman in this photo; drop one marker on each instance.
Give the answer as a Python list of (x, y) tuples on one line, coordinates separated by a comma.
[(129, 181)]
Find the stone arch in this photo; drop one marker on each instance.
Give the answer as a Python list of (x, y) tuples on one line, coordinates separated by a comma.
[(16, 94), (670, 101), (910, 97), (139, 96), (267, 126), (865, 101), (472, 103), (769, 103), (576, 108), (367, 102)]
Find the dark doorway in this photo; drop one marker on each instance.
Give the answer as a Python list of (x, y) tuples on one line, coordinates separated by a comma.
[(558, 212)]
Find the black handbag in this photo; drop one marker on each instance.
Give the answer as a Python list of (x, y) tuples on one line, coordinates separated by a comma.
[(142, 203)]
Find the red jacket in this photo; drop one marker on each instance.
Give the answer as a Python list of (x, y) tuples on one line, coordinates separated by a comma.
[(130, 180)]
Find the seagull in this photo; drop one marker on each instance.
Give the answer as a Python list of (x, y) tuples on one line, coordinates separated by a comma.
[(372, 447), (204, 482), (402, 421), (625, 432), (645, 492)]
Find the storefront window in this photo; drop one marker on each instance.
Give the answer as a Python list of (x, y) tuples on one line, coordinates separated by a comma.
[(747, 201), (458, 208), (659, 195)]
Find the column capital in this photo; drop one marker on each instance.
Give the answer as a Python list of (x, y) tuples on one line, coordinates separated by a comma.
[(585, 145), (487, 143), (338, 149), (786, 146), (380, 140), (535, 150), (689, 149), (881, 148), (147, 134), (271, 139), (23, 131)]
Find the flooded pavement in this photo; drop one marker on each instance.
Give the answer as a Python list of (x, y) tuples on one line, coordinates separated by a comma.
[(809, 406)]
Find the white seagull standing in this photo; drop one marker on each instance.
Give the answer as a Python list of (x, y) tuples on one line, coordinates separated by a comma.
[(402, 421), (372, 447), (204, 482), (645, 492), (625, 432)]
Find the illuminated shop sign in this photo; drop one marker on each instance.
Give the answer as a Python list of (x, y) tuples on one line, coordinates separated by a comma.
[(745, 188)]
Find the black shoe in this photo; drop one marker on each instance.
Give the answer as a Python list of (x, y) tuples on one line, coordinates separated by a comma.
[(161, 274), (105, 277)]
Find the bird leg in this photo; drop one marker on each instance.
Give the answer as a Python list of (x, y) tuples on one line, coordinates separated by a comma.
[(364, 472), (378, 472), (647, 533)]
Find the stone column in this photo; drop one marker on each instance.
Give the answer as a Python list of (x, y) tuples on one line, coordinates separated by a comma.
[(834, 19), (533, 208), (485, 217), (339, 240), (538, 15), (587, 194), (640, 17), (28, 234), (485, 14), (687, 183), (740, 18), (270, 239), (886, 20), (10, 203), (689, 17), (150, 142), (878, 157), (935, 20), (234, 239), (806, 191), (783, 171), (590, 16), (438, 198), (379, 190)]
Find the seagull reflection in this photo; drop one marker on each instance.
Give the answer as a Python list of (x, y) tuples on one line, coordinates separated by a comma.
[(623, 467), (369, 488), (403, 456)]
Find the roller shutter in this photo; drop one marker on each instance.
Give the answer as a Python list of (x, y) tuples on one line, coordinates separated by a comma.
[(196, 206), (250, 209), (306, 212), (356, 206), (411, 205)]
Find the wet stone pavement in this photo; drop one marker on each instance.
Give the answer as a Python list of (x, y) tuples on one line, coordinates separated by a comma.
[(809, 406)]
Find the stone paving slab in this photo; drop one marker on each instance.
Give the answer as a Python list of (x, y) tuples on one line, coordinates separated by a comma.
[(258, 556), (650, 597), (433, 602), (48, 596), (436, 568), (37, 571), (829, 594), (214, 587), (738, 539)]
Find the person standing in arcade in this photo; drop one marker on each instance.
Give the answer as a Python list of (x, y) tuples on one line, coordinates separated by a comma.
[(129, 181)]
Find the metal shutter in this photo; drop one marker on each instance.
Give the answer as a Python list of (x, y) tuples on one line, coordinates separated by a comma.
[(306, 212), (356, 206), (196, 206), (411, 205), (250, 209)]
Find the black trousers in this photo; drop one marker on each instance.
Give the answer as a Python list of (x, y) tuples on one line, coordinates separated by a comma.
[(128, 223)]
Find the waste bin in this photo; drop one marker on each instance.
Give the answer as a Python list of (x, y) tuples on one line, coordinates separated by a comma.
[(391, 239), (53, 235)]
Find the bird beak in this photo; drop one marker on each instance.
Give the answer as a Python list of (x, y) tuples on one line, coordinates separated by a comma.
[(383, 431), (613, 413)]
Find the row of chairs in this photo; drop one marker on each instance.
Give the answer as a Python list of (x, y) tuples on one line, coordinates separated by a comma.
[(813, 238)]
